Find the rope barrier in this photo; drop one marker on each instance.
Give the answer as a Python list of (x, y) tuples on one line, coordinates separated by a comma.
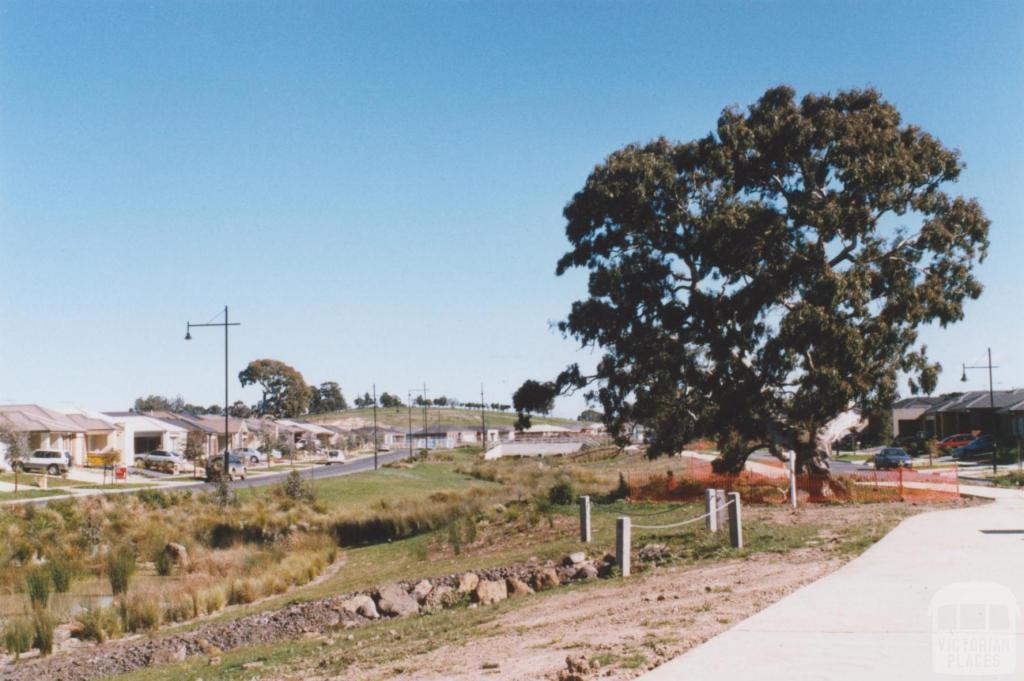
[(637, 515), (684, 522)]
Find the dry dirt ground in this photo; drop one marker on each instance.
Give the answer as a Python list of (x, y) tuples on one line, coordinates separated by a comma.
[(627, 626)]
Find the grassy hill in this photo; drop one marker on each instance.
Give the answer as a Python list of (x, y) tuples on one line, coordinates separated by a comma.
[(399, 418)]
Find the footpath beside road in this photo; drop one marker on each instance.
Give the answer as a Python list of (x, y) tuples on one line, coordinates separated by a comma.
[(870, 619)]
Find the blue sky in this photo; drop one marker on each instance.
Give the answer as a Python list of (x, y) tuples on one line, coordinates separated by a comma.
[(376, 188)]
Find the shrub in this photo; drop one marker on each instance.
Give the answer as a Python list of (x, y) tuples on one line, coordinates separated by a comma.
[(120, 568), (98, 623), (38, 587), (62, 573), (43, 624), (141, 612), (212, 599), (243, 591), (154, 497), (163, 562), (562, 493), (295, 488), (178, 608), (18, 636)]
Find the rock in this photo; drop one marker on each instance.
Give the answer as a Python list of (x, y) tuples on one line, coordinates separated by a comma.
[(468, 581), (545, 578), (441, 596), (215, 660), (361, 604), (517, 587), (207, 647), (176, 653), (586, 571), (178, 553), (255, 664), (393, 601), (489, 592), (577, 668), (575, 558), (422, 590), (653, 553)]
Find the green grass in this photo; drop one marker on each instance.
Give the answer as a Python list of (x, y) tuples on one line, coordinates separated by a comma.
[(29, 493), (32, 480), (1011, 479), (399, 418), (362, 490)]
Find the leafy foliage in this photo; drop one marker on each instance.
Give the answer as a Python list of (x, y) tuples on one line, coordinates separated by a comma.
[(327, 398), (752, 284), (285, 393)]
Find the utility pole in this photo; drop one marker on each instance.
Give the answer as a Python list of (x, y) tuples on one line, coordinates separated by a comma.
[(227, 431), (374, 426), (483, 422), (409, 442), (991, 402), (425, 426)]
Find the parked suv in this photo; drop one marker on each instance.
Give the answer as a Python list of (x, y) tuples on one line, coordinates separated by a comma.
[(159, 460), (892, 457), (979, 446), (236, 468), (44, 460)]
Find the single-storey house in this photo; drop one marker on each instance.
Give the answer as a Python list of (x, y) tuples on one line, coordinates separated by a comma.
[(141, 433), (46, 428)]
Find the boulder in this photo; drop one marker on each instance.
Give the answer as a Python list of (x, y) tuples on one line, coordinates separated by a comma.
[(178, 553), (575, 558), (361, 604), (545, 578), (577, 668), (517, 587), (586, 571), (393, 601), (441, 596), (169, 655), (468, 581), (489, 592), (421, 591)]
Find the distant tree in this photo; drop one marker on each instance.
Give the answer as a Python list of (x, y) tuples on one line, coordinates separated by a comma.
[(421, 401), (195, 448), (441, 401), (327, 398), (152, 403), (285, 393), (389, 400), (364, 401), (15, 445), (533, 397), (754, 284), (240, 410), (215, 410), (590, 415)]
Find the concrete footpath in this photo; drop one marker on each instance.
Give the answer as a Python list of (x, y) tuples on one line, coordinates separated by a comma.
[(870, 619)]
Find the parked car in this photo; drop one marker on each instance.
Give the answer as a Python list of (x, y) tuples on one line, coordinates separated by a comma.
[(892, 458), (249, 455), (44, 460), (979, 446), (954, 441), (160, 460), (236, 468), (335, 456)]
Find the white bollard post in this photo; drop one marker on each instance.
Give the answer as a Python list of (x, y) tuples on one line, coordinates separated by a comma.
[(585, 532), (721, 511), (622, 543), (792, 478), (711, 522), (735, 521)]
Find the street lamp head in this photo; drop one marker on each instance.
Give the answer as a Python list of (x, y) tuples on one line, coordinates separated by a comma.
[(188, 334), (963, 376)]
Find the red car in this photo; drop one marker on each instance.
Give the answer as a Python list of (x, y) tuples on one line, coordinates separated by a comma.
[(953, 441)]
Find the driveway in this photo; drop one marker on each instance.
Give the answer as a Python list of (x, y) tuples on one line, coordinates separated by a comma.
[(871, 620)]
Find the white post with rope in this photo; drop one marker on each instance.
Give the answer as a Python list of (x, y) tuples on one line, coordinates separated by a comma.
[(710, 501), (585, 531), (622, 543), (792, 478), (735, 521)]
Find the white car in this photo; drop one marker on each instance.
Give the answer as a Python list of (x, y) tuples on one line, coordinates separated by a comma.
[(249, 455), (48, 460), (335, 456), (159, 460)]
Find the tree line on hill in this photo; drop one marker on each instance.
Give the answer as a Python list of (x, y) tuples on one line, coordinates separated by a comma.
[(285, 394)]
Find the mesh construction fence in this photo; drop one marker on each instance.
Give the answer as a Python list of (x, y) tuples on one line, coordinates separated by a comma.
[(770, 487)]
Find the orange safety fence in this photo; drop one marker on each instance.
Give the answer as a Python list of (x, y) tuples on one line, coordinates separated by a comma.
[(688, 482)]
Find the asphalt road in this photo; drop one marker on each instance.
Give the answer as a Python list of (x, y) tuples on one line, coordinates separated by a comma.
[(317, 473)]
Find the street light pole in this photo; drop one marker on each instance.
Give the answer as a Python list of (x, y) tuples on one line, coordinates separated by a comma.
[(991, 399), (374, 426), (188, 336)]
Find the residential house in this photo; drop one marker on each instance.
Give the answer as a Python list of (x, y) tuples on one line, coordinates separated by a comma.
[(914, 415), (46, 428), (974, 411), (141, 433)]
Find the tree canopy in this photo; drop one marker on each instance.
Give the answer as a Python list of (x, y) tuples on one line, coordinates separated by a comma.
[(750, 285), (285, 393), (327, 398)]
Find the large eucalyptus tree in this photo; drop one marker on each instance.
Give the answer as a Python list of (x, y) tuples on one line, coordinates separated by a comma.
[(751, 285)]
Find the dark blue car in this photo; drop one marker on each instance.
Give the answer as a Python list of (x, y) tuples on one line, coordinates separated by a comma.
[(979, 446), (892, 457)]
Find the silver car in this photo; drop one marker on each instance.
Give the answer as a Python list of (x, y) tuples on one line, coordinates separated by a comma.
[(44, 460)]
